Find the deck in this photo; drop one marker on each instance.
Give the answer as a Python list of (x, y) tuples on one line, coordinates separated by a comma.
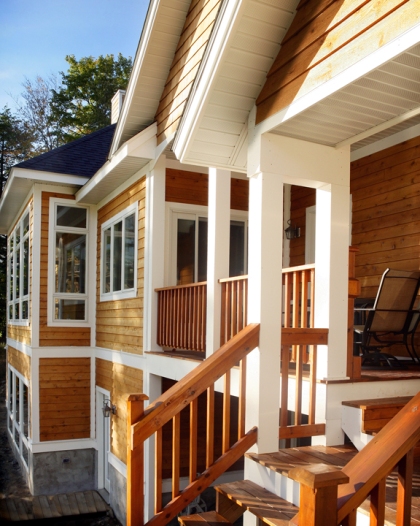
[(52, 506), (286, 459)]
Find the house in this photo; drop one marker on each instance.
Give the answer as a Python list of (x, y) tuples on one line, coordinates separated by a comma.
[(240, 115)]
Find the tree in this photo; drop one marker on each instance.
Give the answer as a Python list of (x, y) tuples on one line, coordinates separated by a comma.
[(35, 111), (83, 103)]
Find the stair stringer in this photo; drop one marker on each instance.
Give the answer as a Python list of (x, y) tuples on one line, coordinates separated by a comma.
[(351, 424)]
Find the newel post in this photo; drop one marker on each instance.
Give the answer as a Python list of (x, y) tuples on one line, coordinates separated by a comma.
[(135, 461), (318, 493)]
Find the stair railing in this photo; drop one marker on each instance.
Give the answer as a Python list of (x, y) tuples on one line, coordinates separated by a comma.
[(332, 496), (142, 424)]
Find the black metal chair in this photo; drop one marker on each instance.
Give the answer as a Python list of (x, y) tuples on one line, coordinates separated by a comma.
[(392, 319)]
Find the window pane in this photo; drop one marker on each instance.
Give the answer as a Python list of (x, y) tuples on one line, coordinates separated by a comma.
[(71, 216), (117, 253), (16, 311), (26, 267), (11, 274), (237, 249), (69, 309), (25, 421), (17, 280), (25, 310), (26, 224), (106, 278), (17, 394), (129, 252), (185, 251), (70, 263), (17, 235), (202, 249)]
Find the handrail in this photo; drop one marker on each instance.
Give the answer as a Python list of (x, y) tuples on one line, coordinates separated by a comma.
[(168, 407), (346, 489)]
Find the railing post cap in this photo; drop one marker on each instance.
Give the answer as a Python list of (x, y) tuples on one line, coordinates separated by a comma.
[(137, 397), (318, 475)]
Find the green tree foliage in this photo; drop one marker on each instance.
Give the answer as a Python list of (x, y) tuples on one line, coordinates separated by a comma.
[(83, 103)]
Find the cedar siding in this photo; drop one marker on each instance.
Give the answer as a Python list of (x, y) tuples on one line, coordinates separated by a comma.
[(64, 398), (54, 336), (119, 380), (21, 362), (191, 46), (325, 38), (119, 323), (192, 188)]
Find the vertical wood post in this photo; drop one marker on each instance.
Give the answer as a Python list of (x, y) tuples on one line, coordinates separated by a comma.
[(135, 461), (354, 363), (404, 491), (318, 493)]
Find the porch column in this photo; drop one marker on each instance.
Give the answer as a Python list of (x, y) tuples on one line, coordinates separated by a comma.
[(154, 250), (264, 307), (217, 251)]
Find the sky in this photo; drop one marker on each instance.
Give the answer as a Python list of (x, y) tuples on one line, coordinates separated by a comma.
[(36, 36)]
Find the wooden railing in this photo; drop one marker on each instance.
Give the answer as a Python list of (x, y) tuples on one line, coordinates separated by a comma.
[(331, 496), (142, 424), (182, 317)]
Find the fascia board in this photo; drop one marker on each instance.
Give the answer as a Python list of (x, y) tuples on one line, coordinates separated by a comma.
[(142, 146), (135, 74), (224, 29), (41, 176)]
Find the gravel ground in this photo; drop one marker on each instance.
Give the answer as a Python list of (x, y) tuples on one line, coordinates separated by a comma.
[(12, 483)]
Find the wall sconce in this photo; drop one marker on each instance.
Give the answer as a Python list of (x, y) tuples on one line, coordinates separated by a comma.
[(292, 231), (108, 408)]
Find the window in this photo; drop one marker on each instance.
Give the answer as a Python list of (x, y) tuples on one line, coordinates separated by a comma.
[(118, 262), (69, 239), (18, 412), (18, 267), (190, 247)]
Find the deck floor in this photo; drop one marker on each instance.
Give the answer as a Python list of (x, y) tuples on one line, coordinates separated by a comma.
[(286, 459), (52, 506)]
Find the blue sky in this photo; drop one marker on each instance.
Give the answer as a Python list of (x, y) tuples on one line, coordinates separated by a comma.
[(36, 35)]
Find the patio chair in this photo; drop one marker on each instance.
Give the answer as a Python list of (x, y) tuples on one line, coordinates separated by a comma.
[(392, 319)]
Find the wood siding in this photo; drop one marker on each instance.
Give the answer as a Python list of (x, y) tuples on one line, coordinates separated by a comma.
[(119, 380), (191, 46), (192, 188), (325, 38), (23, 333), (54, 336), (21, 362), (64, 398), (119, 323)]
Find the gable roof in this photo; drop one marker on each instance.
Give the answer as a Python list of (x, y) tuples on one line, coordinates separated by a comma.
[(82, 157)]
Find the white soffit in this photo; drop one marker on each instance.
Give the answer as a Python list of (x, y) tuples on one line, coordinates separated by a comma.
[(161, 32), (220, 137), (382, 103)]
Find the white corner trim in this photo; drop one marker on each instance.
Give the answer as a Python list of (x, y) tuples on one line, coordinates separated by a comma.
[(117, 464), (63, 445)]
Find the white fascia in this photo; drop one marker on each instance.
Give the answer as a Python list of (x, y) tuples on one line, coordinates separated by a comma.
[(138, 62), (224, 28), (373, 61), (142, 146)]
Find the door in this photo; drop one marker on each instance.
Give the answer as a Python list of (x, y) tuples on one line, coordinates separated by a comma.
[(103, 436)]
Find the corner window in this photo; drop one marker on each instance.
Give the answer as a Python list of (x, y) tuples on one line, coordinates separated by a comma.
[(18, 412), (118, 262), (69, 240), (18, 269)]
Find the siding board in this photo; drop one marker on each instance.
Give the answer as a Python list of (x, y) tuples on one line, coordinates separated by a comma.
[(21, 362)]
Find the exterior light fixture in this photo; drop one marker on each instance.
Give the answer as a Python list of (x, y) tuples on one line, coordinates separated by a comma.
[(108, 408), (292, 231)]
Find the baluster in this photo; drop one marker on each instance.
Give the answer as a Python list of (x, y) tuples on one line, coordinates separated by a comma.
[(377, 504), (158, 470), (210, 427), (404, 490), (226, 414), (242, 398), (287, 300), (193, 439), (312, 383), (312, 316), (285, 357), (298, 384), (223, 315), (176, 449)]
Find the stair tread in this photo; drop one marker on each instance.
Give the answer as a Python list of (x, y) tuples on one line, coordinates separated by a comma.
[(265, 505), (199, 519), (394, 401)]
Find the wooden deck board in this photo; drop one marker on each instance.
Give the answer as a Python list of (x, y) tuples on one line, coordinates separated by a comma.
[(51, 506)]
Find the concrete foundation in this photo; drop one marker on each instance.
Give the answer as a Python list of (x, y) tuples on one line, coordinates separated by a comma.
[(118, 494)]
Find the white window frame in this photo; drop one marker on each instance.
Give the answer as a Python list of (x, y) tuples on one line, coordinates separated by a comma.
[(12, 374), (176, 211), (127, 293), (52, 294), (12, 302)]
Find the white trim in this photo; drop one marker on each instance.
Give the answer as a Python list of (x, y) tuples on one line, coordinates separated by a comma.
[(374, 60), (121, 357), (397, 138), (110, 223), (117, 464), (63, 352), (36, 263), (52, 294), (124, 186), (19, 346), (34, 392), (92, 397), (380, 127), (56, 178), (100, 440), (177, 165), (63, 445)]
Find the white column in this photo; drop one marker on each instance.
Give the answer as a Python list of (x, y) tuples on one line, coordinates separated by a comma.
[(217, 251), (154, 250), (331, 277), (264, 307)]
